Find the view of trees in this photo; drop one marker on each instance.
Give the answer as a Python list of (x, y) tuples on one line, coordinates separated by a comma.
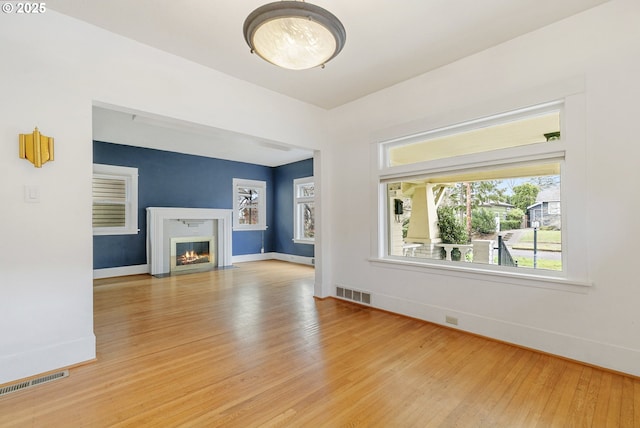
[(483, 221), (476, 193), (524, 195), (467, 204), (473, 212), (513, 219), (452, 231)]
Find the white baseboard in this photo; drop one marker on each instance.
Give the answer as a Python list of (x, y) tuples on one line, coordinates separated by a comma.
[(252, 257), (22, 365), (596, 353), (274, 256), (142, 269), (294, 259), (120, 271)]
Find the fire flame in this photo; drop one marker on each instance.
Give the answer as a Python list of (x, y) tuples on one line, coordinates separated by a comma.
[(190, 256)]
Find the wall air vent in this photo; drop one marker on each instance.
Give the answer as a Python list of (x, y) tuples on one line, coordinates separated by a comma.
[(356, 296), (33, 382)]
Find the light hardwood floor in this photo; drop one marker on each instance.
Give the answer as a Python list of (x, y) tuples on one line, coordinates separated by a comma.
[(250, 346)]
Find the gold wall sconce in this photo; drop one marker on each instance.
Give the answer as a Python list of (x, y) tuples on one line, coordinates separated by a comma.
[(36, 148)]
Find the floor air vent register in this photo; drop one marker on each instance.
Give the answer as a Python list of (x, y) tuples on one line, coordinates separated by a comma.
[(32, 382), (356, 296)]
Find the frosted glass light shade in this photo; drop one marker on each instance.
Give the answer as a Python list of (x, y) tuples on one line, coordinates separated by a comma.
[(294, 43), (294, 35)]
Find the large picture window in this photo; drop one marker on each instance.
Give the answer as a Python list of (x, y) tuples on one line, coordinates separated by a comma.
[(488, 216), (115, 200), (304, 210), (483, 195), (250, 204)]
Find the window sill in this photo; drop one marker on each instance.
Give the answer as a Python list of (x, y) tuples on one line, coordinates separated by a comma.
[(102, 232), (480, 273), (303, 241)]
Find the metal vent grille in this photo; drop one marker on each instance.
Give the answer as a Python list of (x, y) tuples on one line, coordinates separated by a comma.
[(366, 298), (356, 296), (33, 382)]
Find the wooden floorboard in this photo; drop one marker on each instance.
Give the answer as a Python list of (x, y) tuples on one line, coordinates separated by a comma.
[(251, 347)]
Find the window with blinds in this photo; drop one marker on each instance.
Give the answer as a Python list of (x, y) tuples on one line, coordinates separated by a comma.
[(115, 200), (109, 202)]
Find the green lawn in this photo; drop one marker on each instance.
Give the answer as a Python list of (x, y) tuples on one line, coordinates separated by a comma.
[(527, 262), (551, 236), (542, 263), (548, 240)]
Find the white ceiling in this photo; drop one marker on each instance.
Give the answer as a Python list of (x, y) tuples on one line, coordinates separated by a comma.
[(133, 128), (387, 41)]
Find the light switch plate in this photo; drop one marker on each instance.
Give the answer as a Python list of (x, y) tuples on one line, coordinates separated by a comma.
[(31, 194)]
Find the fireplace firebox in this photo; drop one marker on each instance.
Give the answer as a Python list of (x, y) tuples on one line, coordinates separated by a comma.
[(193, 253)]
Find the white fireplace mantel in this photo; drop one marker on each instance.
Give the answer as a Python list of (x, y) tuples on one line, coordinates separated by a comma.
[(158, 255)]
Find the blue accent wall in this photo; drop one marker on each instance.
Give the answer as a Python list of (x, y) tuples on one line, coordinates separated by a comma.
[(283, 222), (167, 179)]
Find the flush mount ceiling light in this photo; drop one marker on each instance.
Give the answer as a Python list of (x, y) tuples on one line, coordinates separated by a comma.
[(294, 34)]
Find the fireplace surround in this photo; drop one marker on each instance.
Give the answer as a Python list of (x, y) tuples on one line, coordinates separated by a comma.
[(165, 223)]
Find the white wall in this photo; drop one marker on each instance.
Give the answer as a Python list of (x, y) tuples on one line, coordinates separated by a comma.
[(597, 52), (53, 69)]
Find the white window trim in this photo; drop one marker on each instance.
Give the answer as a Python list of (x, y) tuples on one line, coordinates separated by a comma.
[(130, 176), (468, 125), (573, 176), (297, 221), (262, 204)]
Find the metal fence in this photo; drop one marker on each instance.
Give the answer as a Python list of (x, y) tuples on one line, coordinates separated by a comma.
[(504, 256)]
